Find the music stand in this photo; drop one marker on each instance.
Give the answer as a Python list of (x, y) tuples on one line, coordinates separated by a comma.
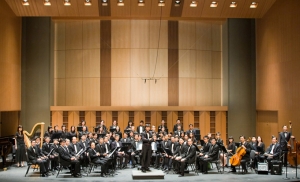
[(56, 135), (96, 129), (127, 131), (112, 130), (79, 128), (224, 151), (202, 142)]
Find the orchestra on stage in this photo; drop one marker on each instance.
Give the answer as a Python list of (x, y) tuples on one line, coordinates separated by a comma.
[(81, 149)]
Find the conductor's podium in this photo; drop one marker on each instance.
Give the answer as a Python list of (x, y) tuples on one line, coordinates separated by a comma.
[(154, 174)]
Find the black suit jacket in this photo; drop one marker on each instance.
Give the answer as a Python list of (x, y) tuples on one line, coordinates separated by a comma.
[(180, 150), (81, 145), (189, 131), (190, 153), (160, 126), (32, 155), (64, 154), (93, 155), (283, 141), (144, 137), (213, 152), (175, 127), (101, 149), (167, 145), (206, 147), (138, 129), (177, 132), (114, 144), (174, 147), (72, 148), (46, 148), (276, 150), (128, 140), (248, 150)]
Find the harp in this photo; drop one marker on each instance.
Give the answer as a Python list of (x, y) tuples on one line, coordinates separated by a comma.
[(36, 131)]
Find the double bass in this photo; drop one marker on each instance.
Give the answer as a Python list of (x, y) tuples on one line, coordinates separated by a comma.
[(292, 157)]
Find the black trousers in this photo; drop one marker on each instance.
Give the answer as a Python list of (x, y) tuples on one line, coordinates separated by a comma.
[(243, 164), (146, 155), (42, 164), (122, 156), (203, 163), (76, 166)]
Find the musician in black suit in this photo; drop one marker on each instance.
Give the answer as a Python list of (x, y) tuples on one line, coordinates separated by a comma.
[(36, 158), (218, 139), (68, 159), (54, 162), (106, 144), (146, 150), (84, 144), (204, 151), (46, 149), (179, 131), (166, 144), (179, 154), (188, 158), (120, 154), (211, 155), (74, 146), (176, 125), (83, 132), (191, 130), (96, 158), (246, 157), (284, 138), (141, 128), (134, 151), (162, 125), (173, 150), (273, 152), (125, 138)]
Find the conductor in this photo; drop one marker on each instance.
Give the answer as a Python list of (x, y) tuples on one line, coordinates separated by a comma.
[(146, 150)]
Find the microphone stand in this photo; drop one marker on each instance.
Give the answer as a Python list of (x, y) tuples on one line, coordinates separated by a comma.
[(296, 162), (286, 178)]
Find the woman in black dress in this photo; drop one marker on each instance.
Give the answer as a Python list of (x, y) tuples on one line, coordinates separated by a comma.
[(64, 133), (20, 147)]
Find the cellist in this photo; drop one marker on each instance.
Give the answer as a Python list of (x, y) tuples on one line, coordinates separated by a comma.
[(246, 157)]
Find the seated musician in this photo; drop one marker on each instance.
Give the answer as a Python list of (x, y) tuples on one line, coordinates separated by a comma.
[(188, 158), (83, 132), (102, 125), (74, 146), (204, 151), (49, 131), (179, 154), (54, 162), (36, 158), (230, 151), (191, 130), (117, 132), (67, 159), (273, 152), (253, 153), (40, 152), (84, 144), (154, 157), (178, 131), (162, 126), (130, 124), (125, 138), (246, 157), (166, 144), (83, 124), (46, 149), (192, 136), (134, 151), (120, 154), (260, 151), (173, 150), (153, 131), (95, 158), (131, 135), (219, 141), (114, 125), (211, 155), (101, 130)]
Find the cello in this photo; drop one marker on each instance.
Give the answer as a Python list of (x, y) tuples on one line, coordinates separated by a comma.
[(235, 160), (292, 150)]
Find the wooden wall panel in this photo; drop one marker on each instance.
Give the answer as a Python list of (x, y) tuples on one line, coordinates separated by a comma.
[(187, 64), (138, 116), (216, 64), (187, 35), (161, 65), (203, 36), (120, 91), (60, 36), (121, 39), (267, 124), (140, 34), (216, 37), (204, 123), (59, 64), (91, 63), (120, 63), (57, 118), (156, 35), (159, 92), (140, 63), (91, 90), (221, 124), (172, 116), (91, 34), (204, 89), (123, 118), (74, 90), (188, 118), (90, 118), (73, 119), (74, 35), (139, 94), (59, 92), (216, 92), (204, 64), (106, 116), (187, 91), (74, 64)]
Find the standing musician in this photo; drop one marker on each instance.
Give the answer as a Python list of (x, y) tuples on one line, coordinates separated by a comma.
[(67, 158), (83, 123), (188, 158), (284, 138), (246, 157), (273, 152), (153, 131), (176, 125), (146, 150), (72, 133), (130, 124), (141, 128), (162, 125), (102, 125), (204, 151), (114, 125), (83, 132), (49, 132), (211, 155), (36, 158)]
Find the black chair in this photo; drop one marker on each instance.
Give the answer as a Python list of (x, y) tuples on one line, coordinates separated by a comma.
[(62, 164), (193, 166), (29, 164), (217, 162)]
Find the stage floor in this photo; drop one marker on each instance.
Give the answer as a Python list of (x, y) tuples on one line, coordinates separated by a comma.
[(15, 174)]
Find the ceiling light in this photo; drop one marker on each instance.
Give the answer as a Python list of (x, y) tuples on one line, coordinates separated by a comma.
[(214, 4), (161, 3), (88, 2), (25, 3), (120, 3), (177, 3), (67, 2), (193, 4), (141, 3), (233, 5), (254, 5), (104, 2), (47, 3)]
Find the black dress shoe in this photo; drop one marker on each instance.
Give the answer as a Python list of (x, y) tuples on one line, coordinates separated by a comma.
[(102, 176), (205, 172), (44, 175), (232, 171), (143, 170), (181, 175), (148, 169)]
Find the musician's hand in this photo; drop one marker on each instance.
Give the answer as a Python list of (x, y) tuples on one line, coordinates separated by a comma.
[(182, 160), (206, 156), (256, 152), (166, 155), (39, 159), (292, 136), (105, 154), (244, 146), (288, 145), (201, 154), (16, 147)]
